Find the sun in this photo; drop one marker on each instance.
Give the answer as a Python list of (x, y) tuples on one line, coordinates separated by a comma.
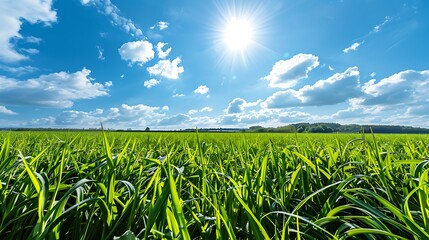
[(238, 34)]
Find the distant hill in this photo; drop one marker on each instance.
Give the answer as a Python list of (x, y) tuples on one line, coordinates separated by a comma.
[(336, 127)]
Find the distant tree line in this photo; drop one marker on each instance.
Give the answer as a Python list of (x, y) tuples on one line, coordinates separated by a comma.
[(291, 128), (336, 127)]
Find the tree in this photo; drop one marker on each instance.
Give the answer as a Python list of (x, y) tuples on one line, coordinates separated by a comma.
[(147, 129)]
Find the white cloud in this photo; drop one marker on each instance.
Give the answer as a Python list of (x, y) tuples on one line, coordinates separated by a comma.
[(246, 118), (167, 68), (238, 105), (336, 89), (122, 117), (82, 119), (206, 109), (137, 52), (139, 115), (151, 83), (31, 51), (100, 53), (330, 68), (4, 110), (202, 89), (57, 90), (296, 116), (373, 74), (202, 110), (40, 122), (12, 16), (192, 111), (356, 110), (406, 87), (393, 100), (178, 95), (161, 53), (378, 27), (235, 106), (122, 75), (353, 47), (19, 70), (106, 7), (33, 39), (178, 119), (161, 25), (287, 73)]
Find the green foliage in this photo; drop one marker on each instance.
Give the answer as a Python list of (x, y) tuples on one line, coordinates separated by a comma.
[(110, 185), (335, 127)]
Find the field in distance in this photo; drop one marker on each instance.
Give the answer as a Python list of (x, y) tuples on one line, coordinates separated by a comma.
[(105, 185)]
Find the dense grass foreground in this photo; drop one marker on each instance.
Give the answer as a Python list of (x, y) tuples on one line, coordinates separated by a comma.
[(97, 185)]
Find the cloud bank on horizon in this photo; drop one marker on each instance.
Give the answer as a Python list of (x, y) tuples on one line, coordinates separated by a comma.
[(177, 65)]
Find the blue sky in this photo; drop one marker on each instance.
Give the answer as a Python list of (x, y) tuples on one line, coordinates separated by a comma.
[(180, 64)]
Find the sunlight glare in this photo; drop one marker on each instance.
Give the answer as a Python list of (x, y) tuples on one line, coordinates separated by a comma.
[(238, 34)]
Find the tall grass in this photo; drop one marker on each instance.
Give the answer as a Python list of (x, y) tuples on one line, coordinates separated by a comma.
[(105, 185)]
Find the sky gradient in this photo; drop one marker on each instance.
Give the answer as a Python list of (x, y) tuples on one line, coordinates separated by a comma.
[(184, 64)]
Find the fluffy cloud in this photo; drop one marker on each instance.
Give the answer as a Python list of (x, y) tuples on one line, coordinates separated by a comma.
[(78, 118), (286, 73), (192, 111), (336, 89), (406, 87), (247, 118), (238, 105), (151, 83), (235, 106), (206, 109), (137, 52), (296, 116), (175, 120), (161, 53), (202, 89), (57, 90), (106, 7), (392, 100), (167, 68), (356, 110), (4, 110), (12, 15), (352, 47), (161, 25), (19, 70), (124, 116), (241, 113), (40, 122), (140, 115)]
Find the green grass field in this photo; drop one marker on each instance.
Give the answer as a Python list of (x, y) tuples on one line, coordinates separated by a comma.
[(94, 185)]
